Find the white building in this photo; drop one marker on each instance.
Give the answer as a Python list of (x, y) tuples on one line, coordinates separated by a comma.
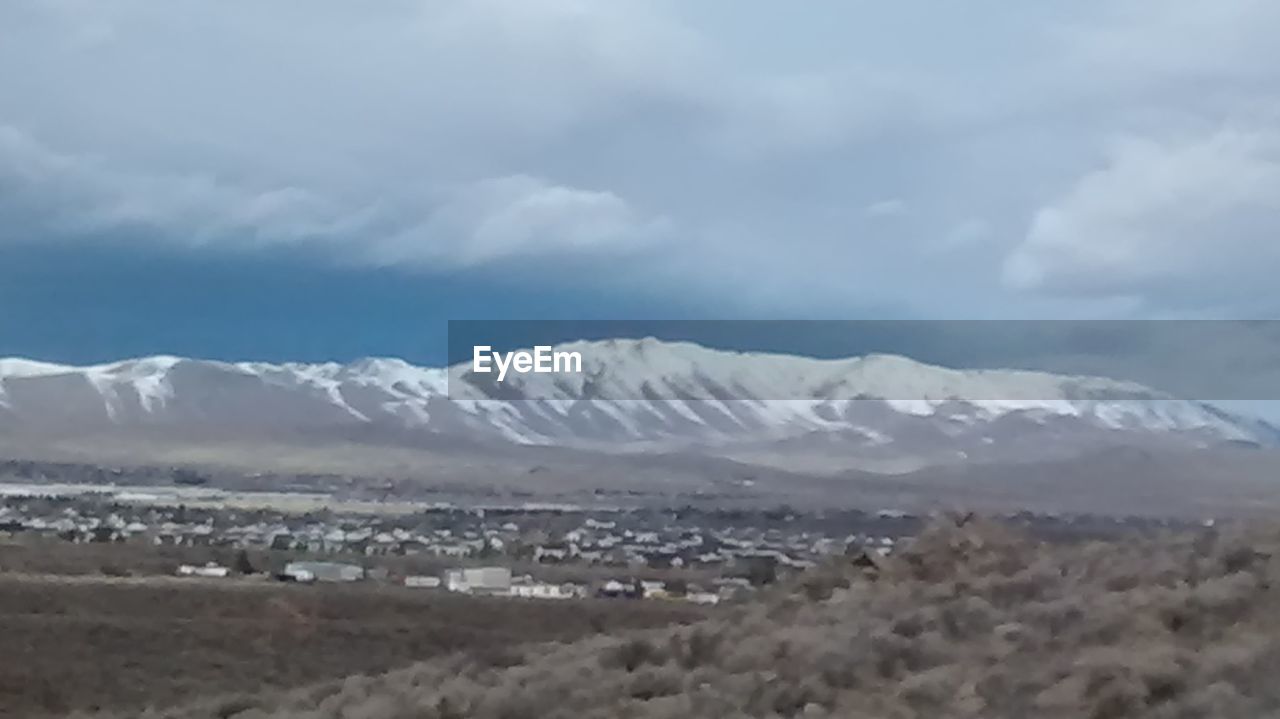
[(208, 570), (479, 580), (542, 590), (323, 572)]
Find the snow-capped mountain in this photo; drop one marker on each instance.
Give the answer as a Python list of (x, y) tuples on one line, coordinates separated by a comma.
[(632, 394)]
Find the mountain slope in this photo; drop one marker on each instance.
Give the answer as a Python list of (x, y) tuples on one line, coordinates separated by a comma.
[(632, 395)]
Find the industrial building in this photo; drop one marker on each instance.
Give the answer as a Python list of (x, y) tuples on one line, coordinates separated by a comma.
[(322, 572), (479, 580)]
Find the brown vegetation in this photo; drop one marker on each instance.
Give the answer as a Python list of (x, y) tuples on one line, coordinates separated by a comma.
[(83, 643), (968, 621)]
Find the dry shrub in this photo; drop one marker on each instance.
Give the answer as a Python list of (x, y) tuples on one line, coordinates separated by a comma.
[(656, 682), (970, 620), (122, 645), (632, 654), (694, 648), (930, 690)]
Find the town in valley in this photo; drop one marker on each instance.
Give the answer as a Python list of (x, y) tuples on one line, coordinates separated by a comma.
[(536, 551)]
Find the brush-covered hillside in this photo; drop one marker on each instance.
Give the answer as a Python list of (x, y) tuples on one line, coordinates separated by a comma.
[(970, 620)]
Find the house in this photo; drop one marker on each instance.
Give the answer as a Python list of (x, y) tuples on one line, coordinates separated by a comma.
[(544, 554), (703, 598), (410, 547), (654, 590), (452, 550), (613, 589), (543, 590)]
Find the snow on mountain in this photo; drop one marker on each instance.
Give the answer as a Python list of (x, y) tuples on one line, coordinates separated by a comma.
[(18, 367), (631, 393)]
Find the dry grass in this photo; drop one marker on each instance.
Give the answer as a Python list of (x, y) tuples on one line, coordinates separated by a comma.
[(88, 642), (969, 621)]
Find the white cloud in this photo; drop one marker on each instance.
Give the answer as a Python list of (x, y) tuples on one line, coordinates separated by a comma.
[(519, 215), (1199, 215)]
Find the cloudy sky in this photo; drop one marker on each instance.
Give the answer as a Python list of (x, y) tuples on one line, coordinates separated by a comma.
[(321, 179)]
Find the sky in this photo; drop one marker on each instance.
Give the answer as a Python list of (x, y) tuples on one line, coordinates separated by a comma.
[(315, 180)]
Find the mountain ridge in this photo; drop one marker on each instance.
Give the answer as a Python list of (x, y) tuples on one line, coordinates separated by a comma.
[(631, 395)]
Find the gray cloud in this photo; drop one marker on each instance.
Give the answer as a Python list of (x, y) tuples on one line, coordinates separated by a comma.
[(46, 193), (1158, 214), (1092, 158)]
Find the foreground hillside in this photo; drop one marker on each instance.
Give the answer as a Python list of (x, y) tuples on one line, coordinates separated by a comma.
[(970, 621), (86, 642)]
